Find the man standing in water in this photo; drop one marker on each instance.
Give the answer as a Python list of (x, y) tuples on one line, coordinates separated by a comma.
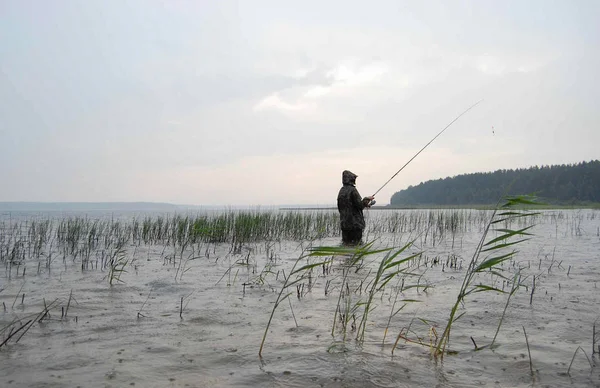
[(350, 206)]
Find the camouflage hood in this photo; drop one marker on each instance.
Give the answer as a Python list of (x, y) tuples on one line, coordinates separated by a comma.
[(348, 178)]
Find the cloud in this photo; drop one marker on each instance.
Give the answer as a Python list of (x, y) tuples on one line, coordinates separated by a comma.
[(349, 74), (345, 80), (139, 100), (500, 64), (274, 102), (317, 91)]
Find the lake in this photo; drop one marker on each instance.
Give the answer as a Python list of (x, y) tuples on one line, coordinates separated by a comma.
[(100, 299)]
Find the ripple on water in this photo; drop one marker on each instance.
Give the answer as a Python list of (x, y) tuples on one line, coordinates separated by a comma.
[(215, 342)]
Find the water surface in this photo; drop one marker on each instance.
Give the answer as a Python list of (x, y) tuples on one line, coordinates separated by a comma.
[(134, 332)]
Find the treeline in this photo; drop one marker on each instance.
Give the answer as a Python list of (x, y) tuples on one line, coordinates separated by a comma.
[(569, 184)]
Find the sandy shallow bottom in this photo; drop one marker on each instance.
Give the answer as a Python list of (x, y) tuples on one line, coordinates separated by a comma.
[(134, 333)]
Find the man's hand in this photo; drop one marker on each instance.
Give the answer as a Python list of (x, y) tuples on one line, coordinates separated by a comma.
[(367, 201)]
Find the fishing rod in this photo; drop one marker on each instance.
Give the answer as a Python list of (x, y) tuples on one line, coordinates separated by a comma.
[(426, 145)]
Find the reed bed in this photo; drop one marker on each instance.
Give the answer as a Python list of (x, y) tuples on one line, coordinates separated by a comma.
[(110, 245), (92, 242), (370, 274)]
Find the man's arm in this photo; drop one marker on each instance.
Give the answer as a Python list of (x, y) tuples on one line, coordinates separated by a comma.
[(358, 202)]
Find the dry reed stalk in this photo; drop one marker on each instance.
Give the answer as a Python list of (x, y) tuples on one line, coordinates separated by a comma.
[(528, 351)]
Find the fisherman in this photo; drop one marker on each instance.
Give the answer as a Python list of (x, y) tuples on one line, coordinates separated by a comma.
[(350, 206)]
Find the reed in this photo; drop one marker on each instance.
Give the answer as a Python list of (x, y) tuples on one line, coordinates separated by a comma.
[(393, 312), (349, 311), (17, 327), (139, 313), (68, 303), (573, 359), (297, 274), (78, 241), (83, 240), (528, 351), (389, 268), (515, 284), (346, 308), (594, 339), (116, 263), (498, 251)]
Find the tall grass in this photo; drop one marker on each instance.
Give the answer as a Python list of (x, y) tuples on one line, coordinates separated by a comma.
[(297, 274), (363, 276), (497, 251), (349, 310), (88, 242)]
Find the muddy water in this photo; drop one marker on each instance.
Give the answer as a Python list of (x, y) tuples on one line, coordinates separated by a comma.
[(135, 333)]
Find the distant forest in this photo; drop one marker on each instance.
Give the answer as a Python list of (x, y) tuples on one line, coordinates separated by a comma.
[(571, 184)]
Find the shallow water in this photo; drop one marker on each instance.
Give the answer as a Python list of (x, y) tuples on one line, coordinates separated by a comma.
[(134, 333)]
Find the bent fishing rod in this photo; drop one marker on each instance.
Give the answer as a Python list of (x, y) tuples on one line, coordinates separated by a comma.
[(426, 145)]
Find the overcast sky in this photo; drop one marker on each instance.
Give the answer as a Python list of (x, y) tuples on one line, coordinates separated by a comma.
[(267, 102)]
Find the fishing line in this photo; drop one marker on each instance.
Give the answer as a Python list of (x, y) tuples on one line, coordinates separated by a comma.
[(426, 145)]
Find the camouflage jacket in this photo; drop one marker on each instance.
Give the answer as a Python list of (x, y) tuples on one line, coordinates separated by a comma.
[(350, 204)]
